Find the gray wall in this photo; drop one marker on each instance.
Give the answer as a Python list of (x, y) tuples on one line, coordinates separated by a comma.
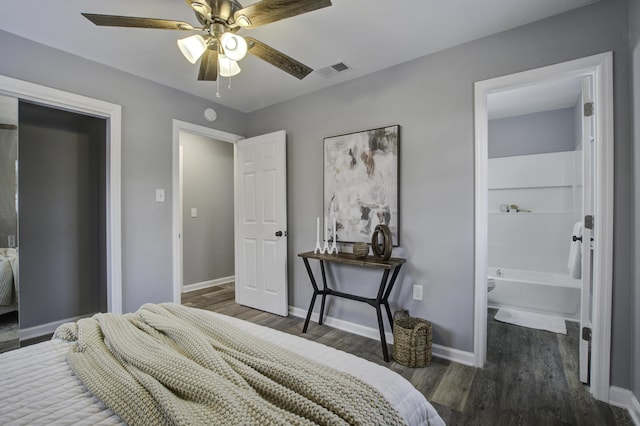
[(62, 221), (634, 22), (208, 186), (432, 100), (537, 133), (147, 113)]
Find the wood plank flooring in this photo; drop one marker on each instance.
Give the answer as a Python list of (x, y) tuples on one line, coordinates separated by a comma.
[(531, 376)]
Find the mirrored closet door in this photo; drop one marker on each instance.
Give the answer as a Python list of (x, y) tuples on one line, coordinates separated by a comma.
[(9, 337)]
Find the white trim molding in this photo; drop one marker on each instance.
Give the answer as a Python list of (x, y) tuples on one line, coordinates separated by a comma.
[(624, 398), (112, 113), (206, 284), (176, 178), (600, 67), (48, 328), (438, 351)]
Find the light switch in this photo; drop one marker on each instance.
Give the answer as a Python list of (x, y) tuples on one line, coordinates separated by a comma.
[(194, 212), (417, 292), (160, 195)]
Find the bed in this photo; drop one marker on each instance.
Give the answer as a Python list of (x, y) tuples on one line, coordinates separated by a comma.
[(39, 385)]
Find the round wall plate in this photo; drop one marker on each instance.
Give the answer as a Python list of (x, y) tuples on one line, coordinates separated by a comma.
[(210, 114)]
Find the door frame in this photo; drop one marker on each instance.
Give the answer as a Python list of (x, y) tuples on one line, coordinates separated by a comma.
[(112, 113), (176, 170), (600, 67)]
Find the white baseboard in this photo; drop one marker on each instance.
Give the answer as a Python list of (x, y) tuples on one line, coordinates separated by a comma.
[(48, 328), (624, 398), (206, 284), (455, 355), (437, 351)]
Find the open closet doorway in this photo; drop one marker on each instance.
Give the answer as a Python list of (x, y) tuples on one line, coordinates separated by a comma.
[(62, 216), (597, 72), (109, 202)]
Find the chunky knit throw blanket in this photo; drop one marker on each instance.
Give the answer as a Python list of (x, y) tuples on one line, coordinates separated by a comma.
[(170, 364)]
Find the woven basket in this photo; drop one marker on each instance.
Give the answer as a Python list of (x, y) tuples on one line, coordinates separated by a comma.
[(412, 341)]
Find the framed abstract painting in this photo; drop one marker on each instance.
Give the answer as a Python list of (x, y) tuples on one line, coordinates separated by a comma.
[(361, 183)]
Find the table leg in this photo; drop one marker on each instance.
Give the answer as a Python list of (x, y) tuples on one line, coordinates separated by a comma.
[(385, 298), (383, 339), (313, 298), (386, 306), (306, 321), (380, 301), (324, 294)]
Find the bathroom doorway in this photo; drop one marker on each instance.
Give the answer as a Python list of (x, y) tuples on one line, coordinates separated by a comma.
[(599, 69), (535, 185)]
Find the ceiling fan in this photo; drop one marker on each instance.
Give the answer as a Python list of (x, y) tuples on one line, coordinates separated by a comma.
[(221, 48)]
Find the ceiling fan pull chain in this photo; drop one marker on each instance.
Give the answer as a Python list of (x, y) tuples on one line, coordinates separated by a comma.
[(218, 87), (229, 86)]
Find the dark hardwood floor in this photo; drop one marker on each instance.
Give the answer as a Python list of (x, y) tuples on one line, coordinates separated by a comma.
[(531, 376)]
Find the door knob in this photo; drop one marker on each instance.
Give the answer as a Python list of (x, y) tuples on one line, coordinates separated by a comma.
[(280, 233)]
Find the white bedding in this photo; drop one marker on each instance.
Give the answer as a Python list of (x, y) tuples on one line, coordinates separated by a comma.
[(38, 387)]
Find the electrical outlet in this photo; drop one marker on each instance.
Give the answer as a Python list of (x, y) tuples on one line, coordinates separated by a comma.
[(417, 292), (194, 212)]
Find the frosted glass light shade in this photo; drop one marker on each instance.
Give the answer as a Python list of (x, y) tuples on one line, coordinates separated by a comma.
[(234, 46), (192, 47), (228, 67)]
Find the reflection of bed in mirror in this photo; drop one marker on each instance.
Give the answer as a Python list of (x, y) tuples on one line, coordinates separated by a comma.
[(8, 280)]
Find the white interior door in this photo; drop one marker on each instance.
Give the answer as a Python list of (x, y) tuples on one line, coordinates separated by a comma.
[(588, 201), (261, 220)]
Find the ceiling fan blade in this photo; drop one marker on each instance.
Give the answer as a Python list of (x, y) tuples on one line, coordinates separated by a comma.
[(267, 11), (209, 66), (200, 6), (277, 58), (202, 10), (133, 22)]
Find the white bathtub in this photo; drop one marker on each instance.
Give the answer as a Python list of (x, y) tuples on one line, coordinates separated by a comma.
[(541, 292)]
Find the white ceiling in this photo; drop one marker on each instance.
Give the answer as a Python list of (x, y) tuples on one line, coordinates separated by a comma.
[(367, 35)]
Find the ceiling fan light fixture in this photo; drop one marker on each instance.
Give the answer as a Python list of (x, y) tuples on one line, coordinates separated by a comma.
[(234, 46), (192, 47), (228, 67)]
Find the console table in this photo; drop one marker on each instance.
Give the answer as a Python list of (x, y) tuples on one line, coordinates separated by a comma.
[(386, 285)]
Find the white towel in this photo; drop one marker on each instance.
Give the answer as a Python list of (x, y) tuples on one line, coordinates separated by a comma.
[(575, 253)]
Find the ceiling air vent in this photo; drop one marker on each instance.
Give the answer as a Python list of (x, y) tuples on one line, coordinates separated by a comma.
[(332, 70)]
